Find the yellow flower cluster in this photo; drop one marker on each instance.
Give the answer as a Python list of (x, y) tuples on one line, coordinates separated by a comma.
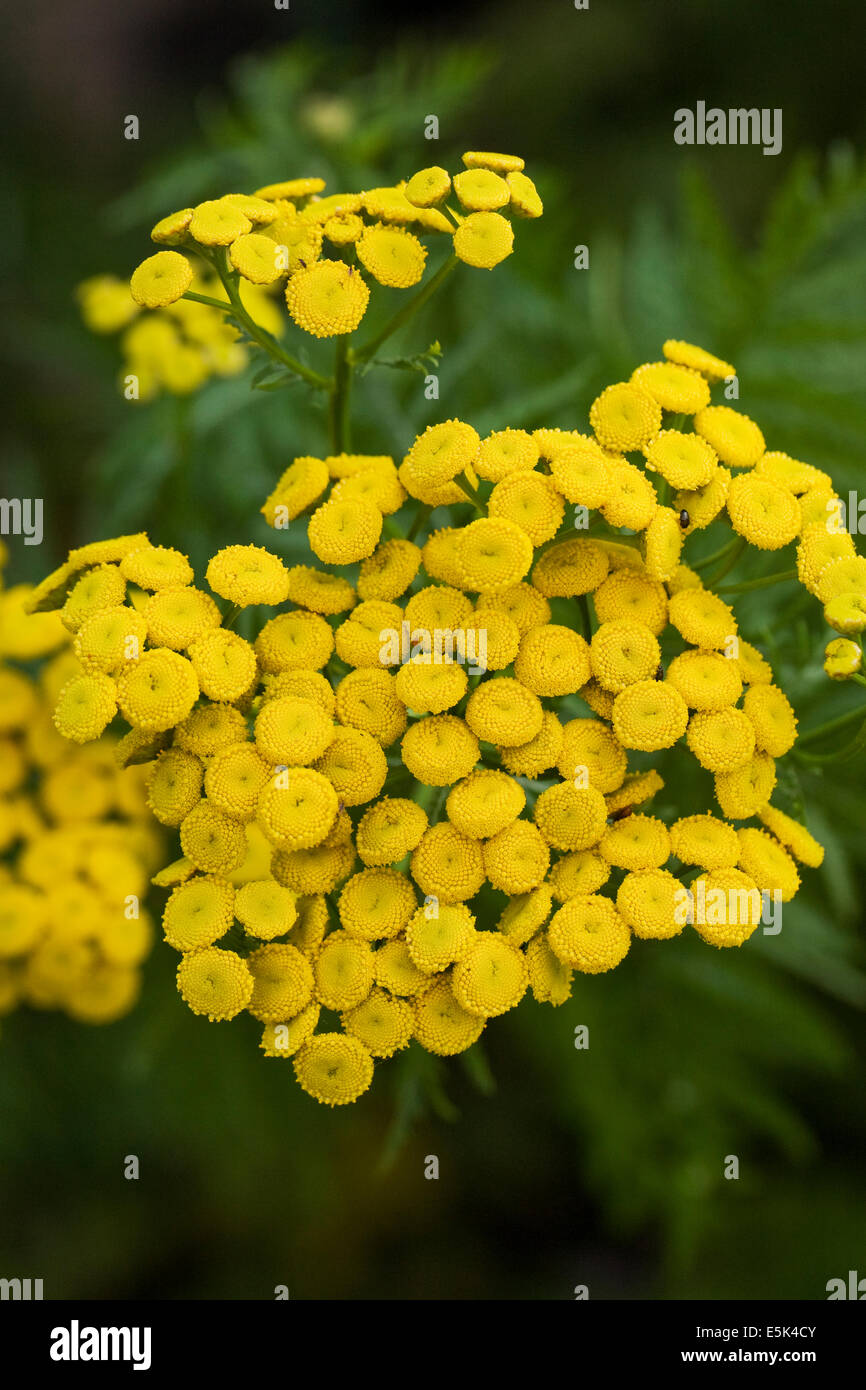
[(400, 803), (77, 844)]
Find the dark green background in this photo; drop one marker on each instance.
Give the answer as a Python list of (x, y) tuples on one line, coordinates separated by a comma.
[(558, 1167)]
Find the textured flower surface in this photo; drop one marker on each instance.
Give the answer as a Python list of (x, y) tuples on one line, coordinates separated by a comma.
[(437, 773)]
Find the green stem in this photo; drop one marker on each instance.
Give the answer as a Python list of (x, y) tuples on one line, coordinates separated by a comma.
[(585, 619), (780, 578), (847, 754), (421, 516), (728, 563), (223, 304), (231, 615), (340, 397), (471, 492), (860, 680), (717, 555), (833, 726), (363, 354), (259, 335)]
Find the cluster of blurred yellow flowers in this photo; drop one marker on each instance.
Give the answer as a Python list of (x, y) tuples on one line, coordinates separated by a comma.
[(388, 827), (77, 843)]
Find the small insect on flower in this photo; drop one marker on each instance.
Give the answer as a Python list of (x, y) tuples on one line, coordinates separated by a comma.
[(685, 519), (660, 672), (621, 813)]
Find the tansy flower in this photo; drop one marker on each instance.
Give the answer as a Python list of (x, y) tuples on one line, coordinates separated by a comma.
[(743, 792), (569, 817), (214, 982), (282, 982), (491, 978), (256, 258), (631, 594), (687, 355), (296, 809), (292, 732), (733, 907), (266, 909), (214, 842), (447, 865), (649, 715), (396, 971), (552, 660), (685, 460), (320, 592), (176, 618), (706, 841), (631, 499), (429, 688), (503, 711), (376, 904), (158, 691), (344, 228), (735, 438), (663, 543), (290, 188), (790, 473), (296, 641), (537, 754), (580, 470), (248, 574), (260, 212), (767, 515), (549, 980), (435, 942), (481, 190), (588, 934), (389, 571), (380, 486), (312, 871), (286, 1038), (583, 871), (344, 971), (368, 699), (437, 606), (702, 618), (484, 239), (769, 711), (484, 803), (817, 548), (531, 501), (110, 638), (369, 636), (341, 531), (442, 1026), (300, 486), (334, 1068), (525, 913), (765, 861), (522, 603), (383, 1024), (638, 842), (106, 303), (589, 747), (355, 764), (570, 568), (311, 924), (198, 913), (486, 159), (307, 685), (623, 652), (625, 417), (161, 279), (703, 504), (428, 187), (721, 740), (174, 782), (841, 577), (217, 222), (234, 780), (442, 451), (211, 728), (676, 388), (392, 255), (98, 589), (327, 299), (706, 680), (505, 452), (647, 899), (389, 830), (517, 858), (794, 836), (754, 668), (525, 199), (156, 567), (491, 636), (846, 613)]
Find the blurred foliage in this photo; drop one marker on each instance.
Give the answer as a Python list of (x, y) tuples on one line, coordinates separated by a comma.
[(559, 1166)]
